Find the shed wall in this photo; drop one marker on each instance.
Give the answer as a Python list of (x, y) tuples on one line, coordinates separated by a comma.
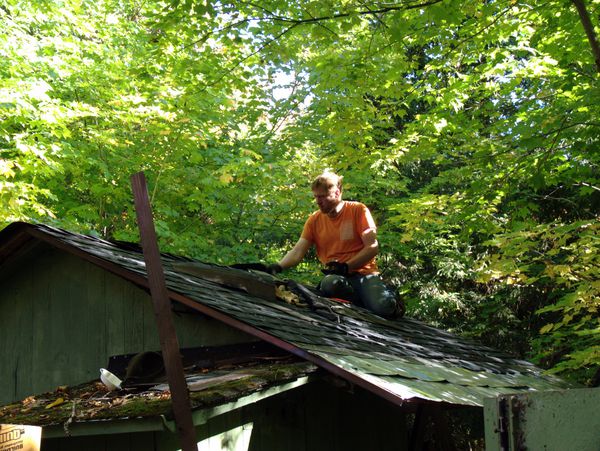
[(62, 317)]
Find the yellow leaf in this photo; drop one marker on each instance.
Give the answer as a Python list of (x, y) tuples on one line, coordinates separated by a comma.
[(57, 402), (547, 328), (225, 179), (567, 319)]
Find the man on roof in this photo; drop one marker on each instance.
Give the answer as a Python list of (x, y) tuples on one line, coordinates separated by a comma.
[(345, 236)]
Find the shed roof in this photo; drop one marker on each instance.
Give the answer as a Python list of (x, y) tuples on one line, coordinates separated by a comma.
[(89, 409), (233, 376), (400, 360)]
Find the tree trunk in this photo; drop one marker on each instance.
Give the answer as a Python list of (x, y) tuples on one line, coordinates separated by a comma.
[(589, 30)]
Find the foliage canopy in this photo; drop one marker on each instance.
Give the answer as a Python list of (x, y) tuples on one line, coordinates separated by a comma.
[(470, 129)]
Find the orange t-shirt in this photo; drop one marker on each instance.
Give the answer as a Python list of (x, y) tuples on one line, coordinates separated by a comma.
[(339, 239)]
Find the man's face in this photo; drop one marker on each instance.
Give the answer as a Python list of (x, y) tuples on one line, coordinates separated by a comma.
[(327, 199)]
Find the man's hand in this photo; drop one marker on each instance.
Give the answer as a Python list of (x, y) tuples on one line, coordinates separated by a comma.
[(274, 268), (341, 269)]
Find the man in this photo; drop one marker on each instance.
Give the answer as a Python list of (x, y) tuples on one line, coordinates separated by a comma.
[(345, 237)]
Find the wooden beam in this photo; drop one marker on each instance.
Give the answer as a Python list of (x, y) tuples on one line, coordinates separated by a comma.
[(162, 311)]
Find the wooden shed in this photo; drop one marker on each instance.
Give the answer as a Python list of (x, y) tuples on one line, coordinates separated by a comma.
[(339, 377)]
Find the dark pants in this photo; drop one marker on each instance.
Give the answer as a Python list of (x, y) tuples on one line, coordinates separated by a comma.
[(367, 291)]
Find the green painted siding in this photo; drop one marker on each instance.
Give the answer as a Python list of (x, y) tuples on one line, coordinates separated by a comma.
[(317, 417), (554, 420), (61, 318)]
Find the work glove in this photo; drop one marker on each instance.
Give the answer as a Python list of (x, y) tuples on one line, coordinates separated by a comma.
[(274, 268), (333, 267)]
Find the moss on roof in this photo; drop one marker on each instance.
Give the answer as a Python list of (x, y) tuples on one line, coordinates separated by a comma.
[(91, 401)]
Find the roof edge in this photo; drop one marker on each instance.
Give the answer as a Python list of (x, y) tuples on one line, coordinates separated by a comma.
[(160, 423)]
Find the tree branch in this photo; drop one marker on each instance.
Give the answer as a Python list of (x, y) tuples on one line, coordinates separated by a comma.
[(287, 113), (589, 30), (368, 12), (321, 25), (257, 51), (588, 185), (314, 20), (478, 32)]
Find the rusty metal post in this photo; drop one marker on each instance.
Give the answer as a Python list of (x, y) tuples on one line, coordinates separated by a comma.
[(180, 398)]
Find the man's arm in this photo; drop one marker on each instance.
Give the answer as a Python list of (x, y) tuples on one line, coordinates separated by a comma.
[(296, 254), (370, 249)]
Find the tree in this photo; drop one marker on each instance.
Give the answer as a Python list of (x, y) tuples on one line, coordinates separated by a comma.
[(470, 128)]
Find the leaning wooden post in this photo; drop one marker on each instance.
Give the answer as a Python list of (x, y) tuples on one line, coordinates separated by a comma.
[(180, 398)]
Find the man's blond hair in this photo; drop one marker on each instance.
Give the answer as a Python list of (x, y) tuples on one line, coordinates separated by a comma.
[(328, 180)]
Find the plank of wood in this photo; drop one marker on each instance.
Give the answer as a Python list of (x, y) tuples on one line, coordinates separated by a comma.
[(162, 310), (230, 277)]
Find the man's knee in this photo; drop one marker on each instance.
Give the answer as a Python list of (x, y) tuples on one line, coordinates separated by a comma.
[(335, 286), (378, 297)]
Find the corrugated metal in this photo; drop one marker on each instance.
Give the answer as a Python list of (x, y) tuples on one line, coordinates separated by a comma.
[(399, 360)]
